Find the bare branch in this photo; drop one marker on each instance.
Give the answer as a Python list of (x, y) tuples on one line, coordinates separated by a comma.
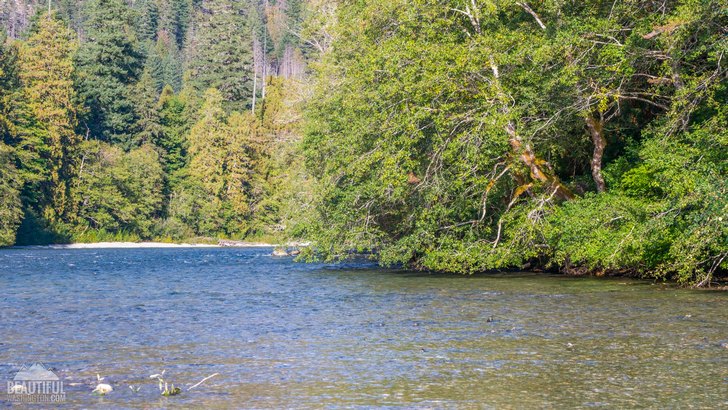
[(530, 11)]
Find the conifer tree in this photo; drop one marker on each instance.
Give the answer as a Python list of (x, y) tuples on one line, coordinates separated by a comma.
[(10, 179), (109, 63), (10, 207), (147, 20), (174, 18), (222, 53), (197, 202), (70, 11), (240, 136), (174, 130), (46, 73), (163, 60), (9, 83), (207, 144), (145, 100), (215, 197)]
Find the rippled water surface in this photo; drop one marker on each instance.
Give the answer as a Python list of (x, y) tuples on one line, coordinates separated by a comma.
[(289, 335)]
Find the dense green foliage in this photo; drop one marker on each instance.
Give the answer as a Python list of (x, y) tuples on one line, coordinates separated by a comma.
[(109, 62), (45, 68), (10, 181), (118, 191), (446, 135), (465, 136), (221, 53), (104, 138), (10, 210)]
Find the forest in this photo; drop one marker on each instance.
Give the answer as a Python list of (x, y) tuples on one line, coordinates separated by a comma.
[(140, 120), (458, 136)]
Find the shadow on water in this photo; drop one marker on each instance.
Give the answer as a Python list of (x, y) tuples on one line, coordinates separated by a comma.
[(289, 335)]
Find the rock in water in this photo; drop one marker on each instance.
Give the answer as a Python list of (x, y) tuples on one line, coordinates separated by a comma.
[(279, 252), (102, 389)]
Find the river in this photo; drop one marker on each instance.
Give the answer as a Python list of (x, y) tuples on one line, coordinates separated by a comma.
[(289, 335)]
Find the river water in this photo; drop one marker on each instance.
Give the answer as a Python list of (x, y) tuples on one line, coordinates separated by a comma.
[(288, 335)]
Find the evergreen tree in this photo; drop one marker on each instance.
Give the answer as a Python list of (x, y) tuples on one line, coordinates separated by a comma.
[(147, 20), (214, 198), (154, 65), (10, 206), (9, 84), (222, 53), (197, 201), (279, 183), (183, 12), (109, 63), (46, 73), (207, 145), (10, 179), (171, 64), (294, 19), (240, 173), (174, 131), (70, 11), (163, 61), (174, 19), (145, 98)]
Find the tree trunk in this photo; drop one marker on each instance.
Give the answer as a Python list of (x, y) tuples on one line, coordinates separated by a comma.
[(596, 129), (538, 168)]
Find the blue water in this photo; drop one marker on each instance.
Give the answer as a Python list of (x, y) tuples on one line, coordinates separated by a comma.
[(288, 335)]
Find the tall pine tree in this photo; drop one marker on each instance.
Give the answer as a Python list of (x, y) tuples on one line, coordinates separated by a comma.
[(147, 20), (109, 63), (174, 18), (164, 63)]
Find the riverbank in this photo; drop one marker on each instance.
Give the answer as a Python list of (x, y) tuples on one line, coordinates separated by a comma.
[(222, 243), (141, 245), (124, 245), (718, 282)]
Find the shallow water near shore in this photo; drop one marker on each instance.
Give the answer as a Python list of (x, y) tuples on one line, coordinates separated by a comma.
[(289, 335)]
